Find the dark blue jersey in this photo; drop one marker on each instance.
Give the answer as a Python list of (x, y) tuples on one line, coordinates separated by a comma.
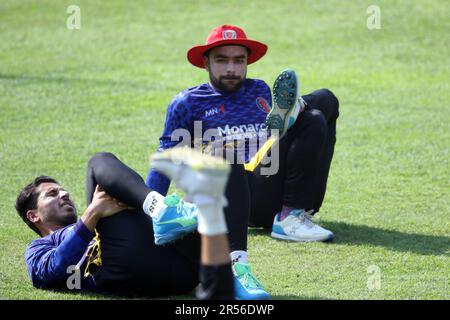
[(206, 114), (48, 258)]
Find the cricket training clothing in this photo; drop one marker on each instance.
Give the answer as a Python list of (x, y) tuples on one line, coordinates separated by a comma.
[(49, 258), (130, 262), (216, 283), (234, 117), (306, 153)]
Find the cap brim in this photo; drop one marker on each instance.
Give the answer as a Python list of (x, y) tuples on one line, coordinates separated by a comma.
[(257, 50)]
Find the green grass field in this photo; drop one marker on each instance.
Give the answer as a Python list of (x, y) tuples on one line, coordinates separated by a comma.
[(67, 94)]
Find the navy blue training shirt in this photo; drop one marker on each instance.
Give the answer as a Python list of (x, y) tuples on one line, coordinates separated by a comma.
[(235, 116), (48, 258)]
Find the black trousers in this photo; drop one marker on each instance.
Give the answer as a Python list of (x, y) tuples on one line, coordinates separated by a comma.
[(131, 262), (305, 155)]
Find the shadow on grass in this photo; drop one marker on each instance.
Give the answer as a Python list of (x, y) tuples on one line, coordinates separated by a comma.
[(395, 240), (91, 295), (187, 296), (274, 297)]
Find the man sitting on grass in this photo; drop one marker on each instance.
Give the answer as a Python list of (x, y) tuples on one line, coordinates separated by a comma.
[(239, 113)]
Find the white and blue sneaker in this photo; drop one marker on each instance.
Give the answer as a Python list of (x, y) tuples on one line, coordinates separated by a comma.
[(286, 103), (246, 286), (298, 226), (176, 220)]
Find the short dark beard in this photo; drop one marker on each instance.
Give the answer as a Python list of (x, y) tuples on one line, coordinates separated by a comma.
[(66, 219), (221, 86)]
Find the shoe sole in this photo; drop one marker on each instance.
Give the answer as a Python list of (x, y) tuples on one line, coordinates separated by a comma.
[(288, 238), (285, 94), (240, 293), (174, 235)]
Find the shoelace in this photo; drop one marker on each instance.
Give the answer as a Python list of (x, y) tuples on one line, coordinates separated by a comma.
[(249, 279), (304, 216), (188, 213)]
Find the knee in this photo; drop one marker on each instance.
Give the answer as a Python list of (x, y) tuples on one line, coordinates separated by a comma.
[(329, 103), (100, 157), (97, 162), (329, 97)]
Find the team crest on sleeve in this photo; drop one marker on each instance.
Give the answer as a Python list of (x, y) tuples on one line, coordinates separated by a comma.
[(262, 104), (229, 34)]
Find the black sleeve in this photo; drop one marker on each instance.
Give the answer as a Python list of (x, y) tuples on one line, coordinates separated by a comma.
[(216, 283)]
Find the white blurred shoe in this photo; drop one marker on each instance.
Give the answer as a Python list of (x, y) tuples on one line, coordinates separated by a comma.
[(194, 172)]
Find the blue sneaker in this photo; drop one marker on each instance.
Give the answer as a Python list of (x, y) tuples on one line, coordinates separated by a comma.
[(246, 286), (178, 219), (287, 103)]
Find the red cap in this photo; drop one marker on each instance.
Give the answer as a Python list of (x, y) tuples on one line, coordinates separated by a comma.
[(226, 35)]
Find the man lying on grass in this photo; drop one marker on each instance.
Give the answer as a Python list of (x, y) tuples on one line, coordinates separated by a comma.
[(126, 257)]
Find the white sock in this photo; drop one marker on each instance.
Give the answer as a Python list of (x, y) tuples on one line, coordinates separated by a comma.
[(211, 219), (238, 256), (153, 204)]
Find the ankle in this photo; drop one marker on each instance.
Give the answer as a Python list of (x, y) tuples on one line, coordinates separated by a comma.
[(238, 256), (285, 211), (153, 204), (211, 218)]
